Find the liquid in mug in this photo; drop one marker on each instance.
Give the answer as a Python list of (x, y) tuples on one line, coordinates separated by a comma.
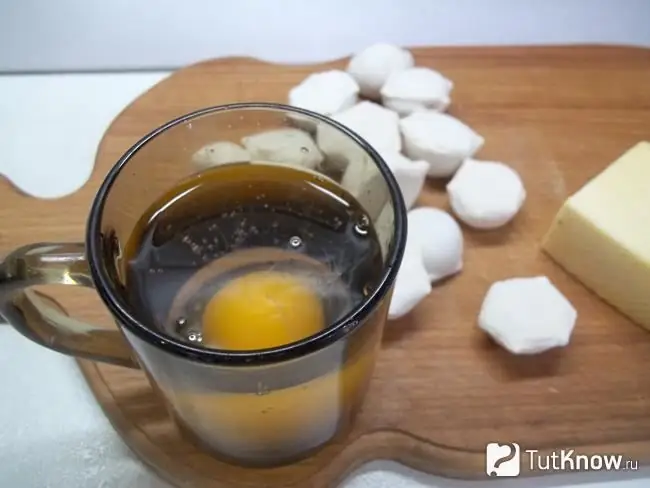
[(250, 256)]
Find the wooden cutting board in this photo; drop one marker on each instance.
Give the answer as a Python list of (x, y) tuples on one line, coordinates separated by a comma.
[(442, 390)]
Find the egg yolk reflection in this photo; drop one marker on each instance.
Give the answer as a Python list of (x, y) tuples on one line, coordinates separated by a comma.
[(261, 310)]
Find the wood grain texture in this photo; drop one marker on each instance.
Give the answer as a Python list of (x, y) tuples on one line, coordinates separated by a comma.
[(441, 390)]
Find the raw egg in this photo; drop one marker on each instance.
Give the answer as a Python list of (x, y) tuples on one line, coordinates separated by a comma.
[(261, 310)]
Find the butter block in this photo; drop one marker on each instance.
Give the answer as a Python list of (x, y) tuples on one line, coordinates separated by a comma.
[(601, 235)]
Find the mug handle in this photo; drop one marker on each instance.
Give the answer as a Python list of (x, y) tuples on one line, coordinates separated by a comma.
[(40, 318)]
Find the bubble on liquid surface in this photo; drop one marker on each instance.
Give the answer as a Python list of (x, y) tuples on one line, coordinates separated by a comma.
[(362, 227), (187, 332), (195, 337), (180, 326), (304, 149), (295, 242)]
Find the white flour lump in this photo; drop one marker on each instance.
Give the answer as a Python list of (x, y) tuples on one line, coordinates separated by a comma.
[(440, 139), (411, 286), (439, 240), (527, 315), (287, 145), (220, 152), (372, 66), (362, 179), (384, 227), (486, 194), (326, 93), (410, 175), (415, 89), (378, 126), (364, 182), (434, 250)]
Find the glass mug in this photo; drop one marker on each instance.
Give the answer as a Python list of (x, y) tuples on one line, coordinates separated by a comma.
[(254, 408)]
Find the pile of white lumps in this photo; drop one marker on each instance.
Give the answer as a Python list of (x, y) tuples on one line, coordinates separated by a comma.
[(401, 110)]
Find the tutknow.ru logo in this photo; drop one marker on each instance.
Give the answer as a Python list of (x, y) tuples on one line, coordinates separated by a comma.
[(505, 460)]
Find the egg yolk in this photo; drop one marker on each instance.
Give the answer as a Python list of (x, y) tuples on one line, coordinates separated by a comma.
[(261, 310)]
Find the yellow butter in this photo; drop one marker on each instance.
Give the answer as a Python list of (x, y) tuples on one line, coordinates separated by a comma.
[(601, 235)]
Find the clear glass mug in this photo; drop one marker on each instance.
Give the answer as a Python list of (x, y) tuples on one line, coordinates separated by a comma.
[(255, 408)]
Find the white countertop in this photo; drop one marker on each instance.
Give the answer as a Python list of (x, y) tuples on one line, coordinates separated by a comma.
[(52, 432)]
